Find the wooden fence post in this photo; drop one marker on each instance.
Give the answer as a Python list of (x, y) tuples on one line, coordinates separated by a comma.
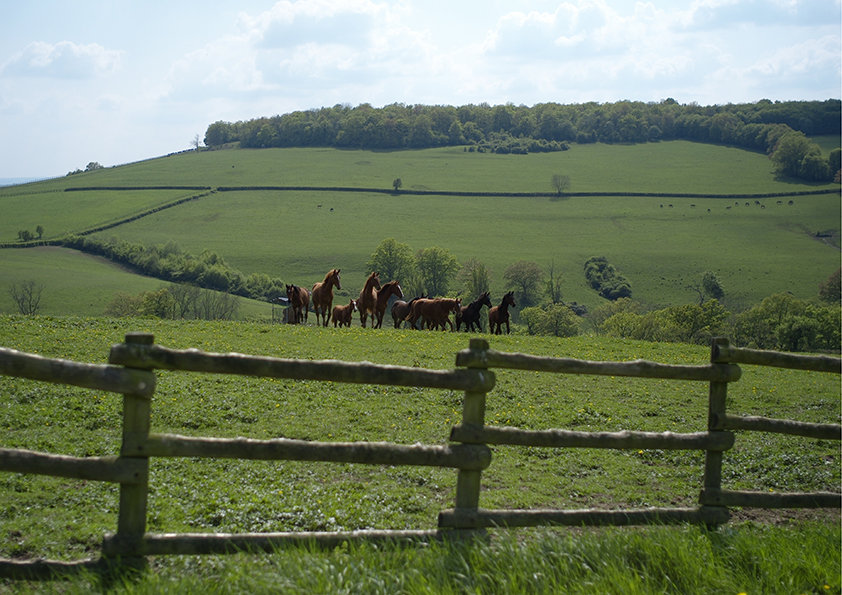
[(717, 397), (473, 414), (131, 523)]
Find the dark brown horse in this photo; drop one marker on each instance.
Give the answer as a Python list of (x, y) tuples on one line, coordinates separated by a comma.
[(299, 303), (401, 309), (383, 294), (323, 295), (435, 312), (469, 315), (368, 298), (500, 314), (341, 315)]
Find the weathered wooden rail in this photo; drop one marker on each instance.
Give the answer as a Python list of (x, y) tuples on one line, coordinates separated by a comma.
[(130, 372)]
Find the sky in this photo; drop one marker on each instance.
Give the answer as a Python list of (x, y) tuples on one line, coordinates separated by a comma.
[(122, 81)]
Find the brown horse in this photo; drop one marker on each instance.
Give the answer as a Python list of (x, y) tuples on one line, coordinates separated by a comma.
[(299, 302), (323, 295), (435, 312), (401, 309), (342, 314), (500, 314), (383, 294), (368, 298)]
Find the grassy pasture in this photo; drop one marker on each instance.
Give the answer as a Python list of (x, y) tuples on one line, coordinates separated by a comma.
[(61, 518), (674, 166), (80, 283), (755, 252), (662, 249)]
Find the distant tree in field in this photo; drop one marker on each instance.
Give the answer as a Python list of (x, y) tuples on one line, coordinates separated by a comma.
[(93, 166), (27, 297), (392, 260), (397, 183), (435, 267), (834, 161), (560, 183), (603, 277), (709, 287), (790, 151), (195, 143), (553, 285), (40, 231), (24, 235), (474, 278), (524, 278), (831, 290)]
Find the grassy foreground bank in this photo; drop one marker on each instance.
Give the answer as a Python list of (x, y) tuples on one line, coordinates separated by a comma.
[(66, 519)]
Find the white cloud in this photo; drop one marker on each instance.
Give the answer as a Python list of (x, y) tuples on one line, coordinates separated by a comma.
[(64, 59)]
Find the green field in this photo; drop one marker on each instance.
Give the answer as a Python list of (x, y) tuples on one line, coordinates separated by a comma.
[(65, 519), (755, 250)]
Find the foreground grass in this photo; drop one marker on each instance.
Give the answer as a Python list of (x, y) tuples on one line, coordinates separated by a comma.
[(748, 558), (66, 519)]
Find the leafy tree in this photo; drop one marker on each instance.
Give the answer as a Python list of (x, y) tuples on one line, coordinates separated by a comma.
[(553, 285), (40, 231), (27, 297), (831, 290), (435, 267), (124, 305), (93, 166), (601, 314), (711, 286), (560, 183), (24, 235), (814, 167), (393, 260), (524, 278), (603, 277), (474, 278), (397, 183), (556, 320), (790, 152)]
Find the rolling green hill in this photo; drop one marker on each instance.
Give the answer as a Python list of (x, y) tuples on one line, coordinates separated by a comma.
[(661, 244)]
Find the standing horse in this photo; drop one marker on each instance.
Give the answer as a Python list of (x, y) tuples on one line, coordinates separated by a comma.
[(470, 314), (401, 309), (342, 314), (323, 295), (368, 298), (383, 294), (435, 312), (299, 302), (500, 314)]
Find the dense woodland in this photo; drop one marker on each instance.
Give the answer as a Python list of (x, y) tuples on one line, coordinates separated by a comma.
[(777, 128)]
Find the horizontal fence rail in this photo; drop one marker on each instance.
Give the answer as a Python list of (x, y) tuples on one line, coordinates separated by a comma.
[(638, 368), (574, 439), (457, 456), (115, 379), (192, 360), (111, 469)]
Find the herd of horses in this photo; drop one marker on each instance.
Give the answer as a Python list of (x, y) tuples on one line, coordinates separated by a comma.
[(432, 313)]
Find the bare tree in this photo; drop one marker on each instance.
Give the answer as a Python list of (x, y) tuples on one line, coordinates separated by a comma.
[(27, 296), (560, 183)]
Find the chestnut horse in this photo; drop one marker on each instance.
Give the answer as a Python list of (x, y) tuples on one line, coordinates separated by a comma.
[(368, 298), (299, 302), (342, 314), (323, 295), (470, 314), (500, 314), (383, 294), (435, 312)]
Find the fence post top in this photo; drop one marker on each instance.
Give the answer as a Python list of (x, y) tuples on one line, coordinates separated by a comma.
[(480, 344), (140, 338)]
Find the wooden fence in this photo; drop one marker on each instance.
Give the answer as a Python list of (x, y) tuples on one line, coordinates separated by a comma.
[(130, 373)]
